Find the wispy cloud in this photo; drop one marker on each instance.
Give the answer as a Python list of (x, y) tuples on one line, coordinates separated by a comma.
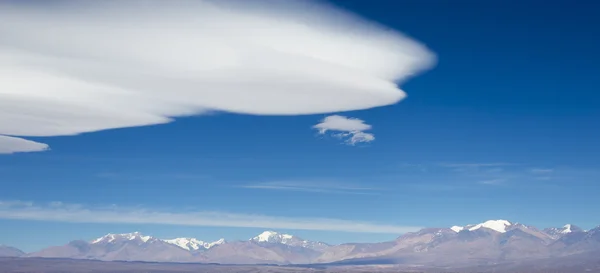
[(496, 181), (505, 174), (351, 130), (311, 186), (438, 187), (150, 175), (419, 167), (247, 57), (74, 213), (541, 171), (474, 165)]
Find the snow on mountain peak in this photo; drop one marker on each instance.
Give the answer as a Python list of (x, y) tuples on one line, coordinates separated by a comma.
[(109, 238), (193, 243), (272, 237), (567, 229), (457, 228), (556, 233), (219, 242), (497, 225), (185, 243)]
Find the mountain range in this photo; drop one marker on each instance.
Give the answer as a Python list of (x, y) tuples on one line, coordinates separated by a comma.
[(487, 243), (7, 251)]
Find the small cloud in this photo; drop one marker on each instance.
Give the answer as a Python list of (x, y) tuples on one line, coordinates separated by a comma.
[(321, 187), (492, 181), (351, 130), (542, 171), (76, 213)]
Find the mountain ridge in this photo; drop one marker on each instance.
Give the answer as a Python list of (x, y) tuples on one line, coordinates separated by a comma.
[(487, 242)]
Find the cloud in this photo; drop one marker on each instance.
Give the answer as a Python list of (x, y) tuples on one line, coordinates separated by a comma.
[(84, 66), (485, 173), (317, 187), (499, 174), (9, 145), (496, 181), (437, 187), (341, 123), (473, 165), (75, 213), (349, 129), (542, 171)]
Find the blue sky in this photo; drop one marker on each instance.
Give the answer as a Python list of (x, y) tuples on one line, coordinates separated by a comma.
[(505, 126)]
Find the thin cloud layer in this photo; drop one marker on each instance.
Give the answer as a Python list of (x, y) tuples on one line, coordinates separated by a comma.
[(542, 171), (349, 129), (70, 67), (73, 213), (311, 186), (474, 165)]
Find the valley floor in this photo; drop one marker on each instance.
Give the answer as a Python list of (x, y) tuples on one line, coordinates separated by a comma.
[(45, 265)]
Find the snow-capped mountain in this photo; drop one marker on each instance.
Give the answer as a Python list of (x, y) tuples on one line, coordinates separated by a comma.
[(566, 229), (192, 244), (489, 241), (124, 247), (273, 237), (134, 236), (496, 225)]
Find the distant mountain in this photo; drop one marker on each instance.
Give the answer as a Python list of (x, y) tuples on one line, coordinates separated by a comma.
[(7, 251), (487, 243), (247, 252), (490, 242), (496, 225), (267, 247), (272, 237), (193, 244), (116, 238), (578, 241), (559, 232), (122, 247)]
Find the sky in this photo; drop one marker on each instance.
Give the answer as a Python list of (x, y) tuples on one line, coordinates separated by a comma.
[(420, 114)]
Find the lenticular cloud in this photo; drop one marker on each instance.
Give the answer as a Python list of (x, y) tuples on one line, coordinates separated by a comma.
[(69, 67)]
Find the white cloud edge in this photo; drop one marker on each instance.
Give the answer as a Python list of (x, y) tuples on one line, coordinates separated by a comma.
[(75, 213), (345, 63), (350, 130), (11, 145)]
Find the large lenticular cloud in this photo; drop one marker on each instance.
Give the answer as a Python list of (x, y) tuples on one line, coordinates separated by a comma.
[(69, 67)]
